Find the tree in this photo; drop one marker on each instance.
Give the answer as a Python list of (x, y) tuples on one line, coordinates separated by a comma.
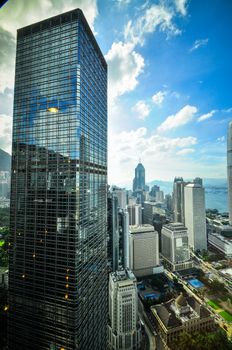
[(202, 341)]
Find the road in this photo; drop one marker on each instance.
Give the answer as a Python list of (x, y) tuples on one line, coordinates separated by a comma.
[(143, 317)]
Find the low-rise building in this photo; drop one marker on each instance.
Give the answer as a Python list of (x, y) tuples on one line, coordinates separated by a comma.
[(221, 242), (184, 313)]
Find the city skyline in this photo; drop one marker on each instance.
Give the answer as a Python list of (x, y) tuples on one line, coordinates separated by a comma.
[(160, 108)]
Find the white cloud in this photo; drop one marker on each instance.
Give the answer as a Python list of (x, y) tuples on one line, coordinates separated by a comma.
[(199, 43), (23, 13), (182, 117), (125, 65), (206, 116), (5, 132), (141, 109), (155, 17), (159, 97), (181, 6), (221, 139), (228, 110), (185, 151), (127, 147), (122, 3), (17, 14)]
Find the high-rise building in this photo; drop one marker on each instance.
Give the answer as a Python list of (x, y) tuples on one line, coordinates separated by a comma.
[(144, 250), (135, 214), (175, 248), (123, 219), (122, 197), (159, 196), (123, 329), (178, 199), (139, 179), (229, 169), (58, 260), (154, 190), (195, 217), (113, 231)]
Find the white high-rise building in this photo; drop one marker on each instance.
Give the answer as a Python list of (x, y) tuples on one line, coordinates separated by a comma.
[(135, 214), (122, 197), (144, 250), (123, 330), (175, 247), (159, 196), (229, 169), (195, 218)]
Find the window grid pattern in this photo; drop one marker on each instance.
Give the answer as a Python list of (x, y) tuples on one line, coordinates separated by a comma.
[(58, 277)]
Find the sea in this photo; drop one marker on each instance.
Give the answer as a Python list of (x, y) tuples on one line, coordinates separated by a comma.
[(216, 192)]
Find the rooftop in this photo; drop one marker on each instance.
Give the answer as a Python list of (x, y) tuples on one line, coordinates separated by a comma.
[(141, 228), (122, 275), (175, 226), (69, 16), (170, 312), (225, 239)]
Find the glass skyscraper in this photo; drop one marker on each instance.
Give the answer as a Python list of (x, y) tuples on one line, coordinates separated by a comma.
[(58, 260), (139, 179)]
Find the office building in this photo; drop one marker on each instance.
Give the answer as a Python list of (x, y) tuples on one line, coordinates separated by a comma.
[(175, 248), (159, 196), (121, 193), (220, 235), (58, 258), (144, 250), (168, 203), (123, 227), (124, 331), (229, 169), (139, 179), (221, 242), (135, 214), (183, 314), (113, 232), (178, 199), (195, 218), (150, 210), (154, 190)]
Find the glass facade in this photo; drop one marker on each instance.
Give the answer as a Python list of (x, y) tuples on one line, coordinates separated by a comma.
[(58, 260), (139, 179)]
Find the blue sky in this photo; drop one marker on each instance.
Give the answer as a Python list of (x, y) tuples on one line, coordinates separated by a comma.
[(169, 80)]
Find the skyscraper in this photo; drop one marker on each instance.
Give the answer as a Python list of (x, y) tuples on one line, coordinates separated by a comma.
[(135, 214), (175, 248), (139, 179), (122, 197), (58, 261), (123, 331), (144, 250), (113, 231), (195, 217), (178, 199), (229, 169)]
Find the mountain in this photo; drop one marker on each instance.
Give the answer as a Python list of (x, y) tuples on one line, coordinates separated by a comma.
[(5, 161)]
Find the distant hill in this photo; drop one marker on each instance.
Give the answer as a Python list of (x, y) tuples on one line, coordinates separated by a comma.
[(5, 161)]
